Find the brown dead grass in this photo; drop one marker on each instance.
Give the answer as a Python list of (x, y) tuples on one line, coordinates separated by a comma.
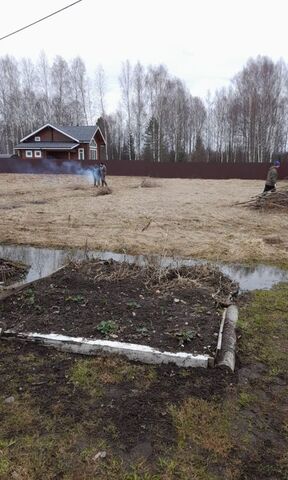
[(187, 217), (148, 183), (102, 191)]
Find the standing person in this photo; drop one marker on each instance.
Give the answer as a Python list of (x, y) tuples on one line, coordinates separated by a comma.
[(272, 176), (97, 176), (103, 171)]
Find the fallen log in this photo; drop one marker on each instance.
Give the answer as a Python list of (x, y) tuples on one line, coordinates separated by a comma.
[(227, 354)]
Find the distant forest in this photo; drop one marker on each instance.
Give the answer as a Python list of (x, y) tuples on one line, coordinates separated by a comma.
[(157, 119)]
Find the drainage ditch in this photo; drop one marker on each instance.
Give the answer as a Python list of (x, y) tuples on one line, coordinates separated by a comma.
[(45, 261)]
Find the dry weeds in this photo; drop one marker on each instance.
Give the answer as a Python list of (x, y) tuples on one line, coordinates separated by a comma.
[(189, 218), (102, 191), (148, 183), (11, 270)]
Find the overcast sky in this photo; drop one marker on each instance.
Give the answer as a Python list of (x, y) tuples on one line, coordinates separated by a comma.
[(203, 42)]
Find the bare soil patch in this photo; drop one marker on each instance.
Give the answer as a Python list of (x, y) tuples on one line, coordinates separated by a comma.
[(167, 309), (187, 218), (66, 409)]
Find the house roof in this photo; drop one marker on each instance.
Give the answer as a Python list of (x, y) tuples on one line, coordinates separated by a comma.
[(81, 134), (46, 146)]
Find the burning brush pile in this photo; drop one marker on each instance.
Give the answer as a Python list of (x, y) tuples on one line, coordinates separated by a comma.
[(268, 201)]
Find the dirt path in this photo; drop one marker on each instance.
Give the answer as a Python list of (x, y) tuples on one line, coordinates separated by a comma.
[(189, 218)]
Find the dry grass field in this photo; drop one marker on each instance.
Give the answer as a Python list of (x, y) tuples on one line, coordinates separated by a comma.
[(188, 218)]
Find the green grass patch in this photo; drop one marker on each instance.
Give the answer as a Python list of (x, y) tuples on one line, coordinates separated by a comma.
[(93, 373), (204, 439), (18, 417), (205, 425), (246, 398), (264, 326)]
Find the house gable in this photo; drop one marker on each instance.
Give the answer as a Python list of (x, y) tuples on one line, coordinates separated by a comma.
[(49, 133), (55, 133), (99, 137)]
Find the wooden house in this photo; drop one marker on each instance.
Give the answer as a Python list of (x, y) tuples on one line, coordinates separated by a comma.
[(63, 143)]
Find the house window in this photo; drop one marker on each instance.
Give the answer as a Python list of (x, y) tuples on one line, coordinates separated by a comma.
[(28, 153), (38, 153), (93, 154), (37, 139), (81, 154)]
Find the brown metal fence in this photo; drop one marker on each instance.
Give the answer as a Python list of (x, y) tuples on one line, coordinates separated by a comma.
[(193, 170), (141, 168)]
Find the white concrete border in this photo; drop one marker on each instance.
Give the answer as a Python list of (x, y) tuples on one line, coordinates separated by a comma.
[(132, 351)]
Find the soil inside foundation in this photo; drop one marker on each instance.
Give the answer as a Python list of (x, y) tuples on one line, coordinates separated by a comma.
[(172, 310)]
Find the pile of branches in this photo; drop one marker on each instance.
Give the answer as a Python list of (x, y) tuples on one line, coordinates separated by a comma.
[(268, 201)]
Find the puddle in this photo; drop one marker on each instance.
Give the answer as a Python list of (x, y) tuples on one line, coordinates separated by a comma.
[(260, 277), (44, 261)]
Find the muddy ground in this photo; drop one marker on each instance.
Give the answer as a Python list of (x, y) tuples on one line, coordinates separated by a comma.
[(177, 217), (69, 417), (103, 404), (168, 309)]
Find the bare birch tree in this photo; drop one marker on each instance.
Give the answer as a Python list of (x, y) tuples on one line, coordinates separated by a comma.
[(61, 88), (138, 108), (79, 89), (101, 90), (125, 80), (44, 76)]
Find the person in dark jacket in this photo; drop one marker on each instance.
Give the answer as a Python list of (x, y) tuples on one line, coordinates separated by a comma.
[(272, 176), (103, 171)]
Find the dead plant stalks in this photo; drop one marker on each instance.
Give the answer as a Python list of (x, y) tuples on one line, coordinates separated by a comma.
[(147, 225), (102, 191), (148, 183), (10, 270), (197, 276), (78, 187), (154, 275)]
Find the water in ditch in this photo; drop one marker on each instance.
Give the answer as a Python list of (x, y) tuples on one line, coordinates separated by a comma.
[(44, 261)]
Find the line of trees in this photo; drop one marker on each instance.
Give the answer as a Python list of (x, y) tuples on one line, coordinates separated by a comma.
[(34, 94), (157, 118)]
